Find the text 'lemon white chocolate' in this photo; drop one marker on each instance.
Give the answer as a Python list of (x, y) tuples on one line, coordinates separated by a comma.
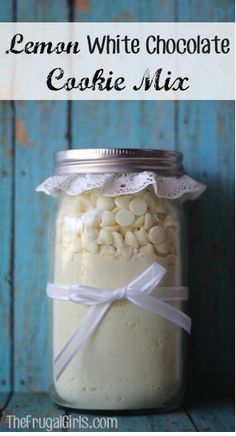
[(134, 358)]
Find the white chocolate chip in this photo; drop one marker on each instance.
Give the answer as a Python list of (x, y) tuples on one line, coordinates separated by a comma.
[(85, 203), (94, 194), (131, 240), (90, 234), (160, 206), (171, 235), (146, 250), (91, 218), (139, 221), (71, 228), (169, 221), (70, 204), (149, 220), (115, 210), (107, 250), (125, 229), (117, 240), (105, 203), (112, 228), (151, 200), (108, 218), (138, 206), (91, 246), (122, 201), (104, 237), (163, 248), (142, 236), (156, 234), (72, 225), (124, 217)]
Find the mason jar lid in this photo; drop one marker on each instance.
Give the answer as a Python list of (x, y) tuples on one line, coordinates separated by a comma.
[(118, 160)]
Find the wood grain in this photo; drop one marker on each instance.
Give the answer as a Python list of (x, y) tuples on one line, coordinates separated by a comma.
[(6, 224), (204, 414), (212, 415), (205, 134), (41, 128), (37, 406), (4, 397)]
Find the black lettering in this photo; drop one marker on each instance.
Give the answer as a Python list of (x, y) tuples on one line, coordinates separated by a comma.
[(56, 73), (96, 45), (146, 82), (40, 47), (206, 47), (180, 84), (119, 82), (17, 39), (150, 39), (225, 45)]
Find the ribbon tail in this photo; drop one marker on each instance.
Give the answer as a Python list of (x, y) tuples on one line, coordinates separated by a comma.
[(165, 310), (79, 337)]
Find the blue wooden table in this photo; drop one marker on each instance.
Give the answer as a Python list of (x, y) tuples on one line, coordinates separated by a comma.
[(200, 414), (29, 134)]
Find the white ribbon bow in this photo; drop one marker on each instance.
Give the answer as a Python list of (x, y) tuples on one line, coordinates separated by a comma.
[(136, 292)]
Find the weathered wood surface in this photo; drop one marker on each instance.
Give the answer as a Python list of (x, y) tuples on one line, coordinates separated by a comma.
[(200, 415), (40, 129), (29, 134), (37, 406), (6, 229), (213, 415), (205, 134), (4, 397)]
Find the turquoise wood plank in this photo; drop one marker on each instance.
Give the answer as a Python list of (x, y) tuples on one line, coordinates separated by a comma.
[(201, 415), (106, 123), (207, 10), (48, 11), (207, 139), (41, 411), (6, 11), (213, 415), (164, 422), (40, 130), (4, 397), (6, 235), (112, 422), (102, 11), (205, 135), (177, 420)]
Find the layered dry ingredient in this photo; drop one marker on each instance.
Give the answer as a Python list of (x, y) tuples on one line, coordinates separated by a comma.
[(133, 360)]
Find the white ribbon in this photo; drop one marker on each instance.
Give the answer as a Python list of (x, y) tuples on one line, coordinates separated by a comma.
[(136, 291)]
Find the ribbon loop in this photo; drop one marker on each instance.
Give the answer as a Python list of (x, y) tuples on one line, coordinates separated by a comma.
[(137, 292)]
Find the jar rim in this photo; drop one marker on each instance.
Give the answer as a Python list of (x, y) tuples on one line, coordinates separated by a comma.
[(118, 160)]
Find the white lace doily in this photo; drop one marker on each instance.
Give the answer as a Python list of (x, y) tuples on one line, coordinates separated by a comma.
[(183, 187)]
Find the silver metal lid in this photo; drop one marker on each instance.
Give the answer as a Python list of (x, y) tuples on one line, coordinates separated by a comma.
[(118, 160)]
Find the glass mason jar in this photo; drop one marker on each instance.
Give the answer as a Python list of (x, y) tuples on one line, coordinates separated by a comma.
[(134, 358)]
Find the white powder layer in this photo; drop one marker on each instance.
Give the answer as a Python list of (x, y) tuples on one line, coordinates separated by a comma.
[(134, 359)]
